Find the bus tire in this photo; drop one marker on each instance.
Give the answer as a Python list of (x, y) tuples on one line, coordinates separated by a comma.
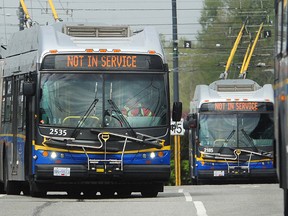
[(36, 190), (124, 193), (149, 193), (11, 187), (74, 193), (107, 193), (2, 188)]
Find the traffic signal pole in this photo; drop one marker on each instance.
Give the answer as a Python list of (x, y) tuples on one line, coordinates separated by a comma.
[(177, 159), (175, 52)]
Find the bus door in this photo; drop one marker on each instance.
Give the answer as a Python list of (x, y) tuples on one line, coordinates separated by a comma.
[(18, 138)]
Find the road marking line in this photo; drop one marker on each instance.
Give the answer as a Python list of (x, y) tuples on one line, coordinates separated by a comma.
[(200, 208), (201, 211), (188, 197)]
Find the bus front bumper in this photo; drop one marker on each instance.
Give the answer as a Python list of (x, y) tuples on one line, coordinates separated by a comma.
[(238, 173), (72, 172)]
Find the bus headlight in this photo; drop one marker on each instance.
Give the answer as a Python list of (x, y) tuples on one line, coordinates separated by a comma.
[(53, 155), (152, 155)]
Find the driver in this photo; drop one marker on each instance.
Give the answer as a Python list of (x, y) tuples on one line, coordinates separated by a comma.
[(134, 108)]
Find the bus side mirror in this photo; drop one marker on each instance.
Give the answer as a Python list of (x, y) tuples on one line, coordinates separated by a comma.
[(29, 88), (191, 122), (177, 111)]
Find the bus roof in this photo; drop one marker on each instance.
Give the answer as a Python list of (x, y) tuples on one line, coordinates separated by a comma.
[(67, 37), (231, 90)]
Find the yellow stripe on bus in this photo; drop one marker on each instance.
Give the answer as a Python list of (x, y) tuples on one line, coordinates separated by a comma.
[(225, 161), (281, 84), (47, 148)]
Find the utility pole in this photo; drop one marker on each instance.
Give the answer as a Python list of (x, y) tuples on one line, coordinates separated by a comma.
[(177, 158), (175, 52)]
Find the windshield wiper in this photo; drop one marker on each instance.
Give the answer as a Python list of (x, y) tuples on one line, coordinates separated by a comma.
[(227, 140), (84, 117), (249, 140), (119, 114)]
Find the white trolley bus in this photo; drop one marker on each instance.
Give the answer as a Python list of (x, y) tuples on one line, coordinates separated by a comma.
[(231, 130), (64, 87)]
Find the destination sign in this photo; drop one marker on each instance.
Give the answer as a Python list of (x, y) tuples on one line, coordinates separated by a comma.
[(102, 62), (237, 106)]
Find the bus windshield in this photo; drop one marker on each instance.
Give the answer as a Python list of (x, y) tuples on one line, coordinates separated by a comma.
[(103, 100), (237, 130)]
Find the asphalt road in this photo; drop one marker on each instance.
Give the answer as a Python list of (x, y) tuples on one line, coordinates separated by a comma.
[(192, 200)]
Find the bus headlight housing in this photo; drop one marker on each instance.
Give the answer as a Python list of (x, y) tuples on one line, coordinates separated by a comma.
[(152, 155), (53, 155)]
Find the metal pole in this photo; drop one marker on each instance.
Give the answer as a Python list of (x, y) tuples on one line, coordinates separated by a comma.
[(21, 18), (175, 52), (55, 15), (176, 161), (285, 202), (179, 160)]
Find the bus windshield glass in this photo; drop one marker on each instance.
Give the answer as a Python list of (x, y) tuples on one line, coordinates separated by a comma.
[(236, 130), (89, 100)]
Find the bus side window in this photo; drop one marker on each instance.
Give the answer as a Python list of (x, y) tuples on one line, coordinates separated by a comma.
[(8, 102), (21, 106), (3, 101)]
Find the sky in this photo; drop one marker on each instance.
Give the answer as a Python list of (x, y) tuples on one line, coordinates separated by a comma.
[(157, 13)]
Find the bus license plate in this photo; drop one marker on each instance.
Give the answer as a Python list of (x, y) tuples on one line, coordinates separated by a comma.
[(218, 173), (61, 171)]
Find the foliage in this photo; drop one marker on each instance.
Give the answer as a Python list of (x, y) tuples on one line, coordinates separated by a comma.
[(221, 21), (185, 173)]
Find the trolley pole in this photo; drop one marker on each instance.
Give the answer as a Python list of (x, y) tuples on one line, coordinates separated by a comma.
[(21, 18), (177, 159)]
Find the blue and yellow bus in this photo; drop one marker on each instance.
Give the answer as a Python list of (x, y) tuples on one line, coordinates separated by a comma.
[(281, 92), (231, 131), (63, 128)]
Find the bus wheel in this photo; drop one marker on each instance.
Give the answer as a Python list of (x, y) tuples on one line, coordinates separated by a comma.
[(124, 193), (2, 188), (35, 190), (107, 193), (89, 194), (195, 181), (11, 188), (74, 193), (149, 193)]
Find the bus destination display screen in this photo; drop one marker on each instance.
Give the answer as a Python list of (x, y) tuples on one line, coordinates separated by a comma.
[(105, 61), (237, 107)]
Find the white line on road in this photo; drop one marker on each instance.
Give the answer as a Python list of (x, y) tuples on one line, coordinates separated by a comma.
[(201, 211), (188, 197), (200, 208)]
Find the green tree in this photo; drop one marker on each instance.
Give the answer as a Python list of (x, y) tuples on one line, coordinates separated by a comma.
[(221, 22)]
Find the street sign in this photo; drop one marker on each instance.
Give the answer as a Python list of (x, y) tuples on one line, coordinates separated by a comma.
[(177, 128), (187, 44), (267, 33)]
